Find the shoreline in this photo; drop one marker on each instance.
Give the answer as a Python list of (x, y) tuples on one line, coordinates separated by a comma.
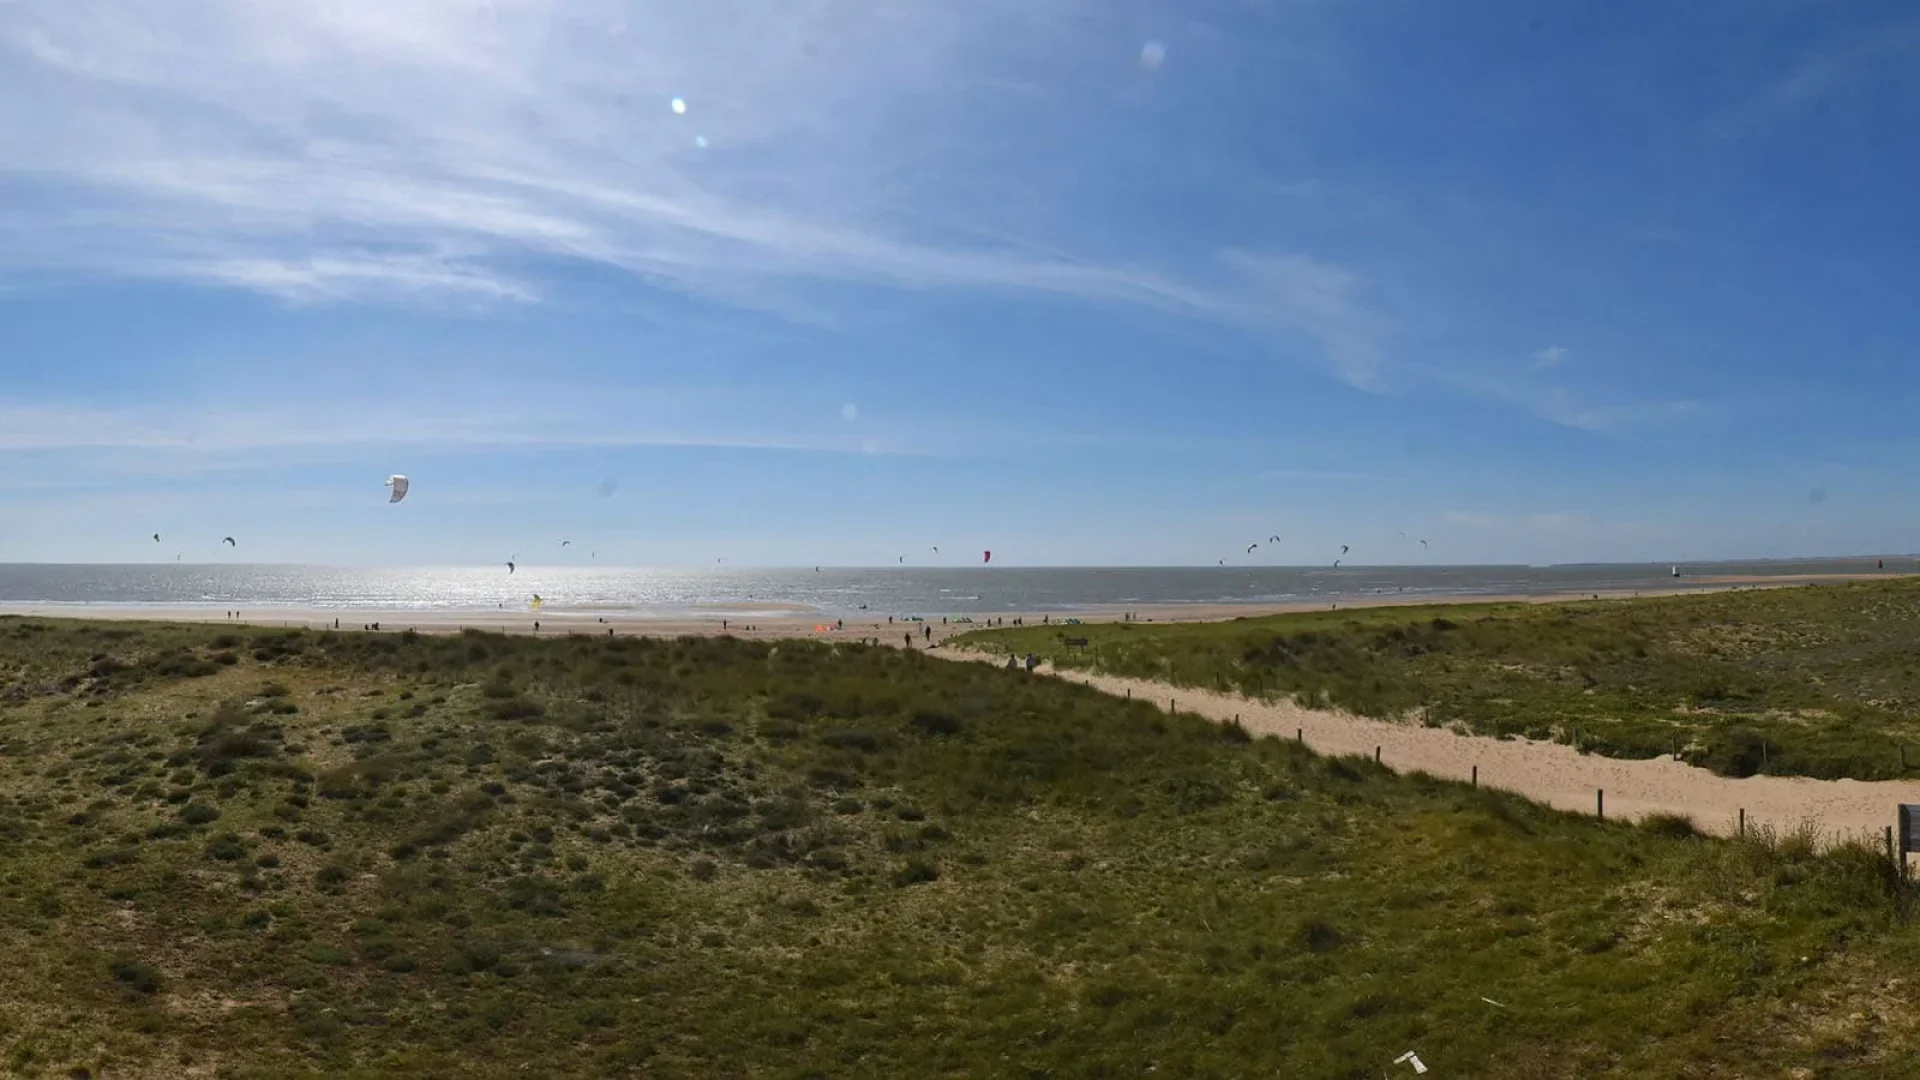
[(777, 619)]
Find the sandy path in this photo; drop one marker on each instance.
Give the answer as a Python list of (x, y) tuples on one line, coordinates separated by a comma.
[(1546, 772)]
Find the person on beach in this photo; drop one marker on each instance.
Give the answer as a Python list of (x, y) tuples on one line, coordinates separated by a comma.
[(1032, 662), (1013, 662), (909, 637), (839, 624)]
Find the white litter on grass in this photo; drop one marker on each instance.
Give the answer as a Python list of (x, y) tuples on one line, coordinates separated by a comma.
[(1493, 1003), (1411, 1058)]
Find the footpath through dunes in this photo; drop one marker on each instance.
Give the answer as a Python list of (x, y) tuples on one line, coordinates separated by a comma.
[(1552, 773)]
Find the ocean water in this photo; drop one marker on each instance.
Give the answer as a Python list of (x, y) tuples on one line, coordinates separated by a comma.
[(828, 591)]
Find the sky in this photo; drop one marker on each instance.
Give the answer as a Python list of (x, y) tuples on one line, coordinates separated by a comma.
[(1080, 281)]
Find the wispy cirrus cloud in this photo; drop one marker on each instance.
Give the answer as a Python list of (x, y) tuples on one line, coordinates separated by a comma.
[(90, 446), (1559, 405), (426, 150)]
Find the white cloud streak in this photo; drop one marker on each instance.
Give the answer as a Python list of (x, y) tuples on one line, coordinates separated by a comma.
[(1558, 405), (1551, 357), (436, 150)]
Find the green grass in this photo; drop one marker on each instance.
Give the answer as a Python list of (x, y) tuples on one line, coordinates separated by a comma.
[(469, 855), (1817, 681)]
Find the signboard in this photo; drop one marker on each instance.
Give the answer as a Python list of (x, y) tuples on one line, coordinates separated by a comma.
[(1909, 827)]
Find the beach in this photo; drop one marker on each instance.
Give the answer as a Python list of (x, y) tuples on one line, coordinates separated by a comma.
[(772, 619)]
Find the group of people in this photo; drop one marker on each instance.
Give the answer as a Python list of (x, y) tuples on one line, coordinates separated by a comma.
[(1013, 662)]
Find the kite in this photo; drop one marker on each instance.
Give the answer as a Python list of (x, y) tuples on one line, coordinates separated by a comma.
[(1250, 548), (936, 549), (229, 542), (901, 559), (156, 538), (535, 605), (399, 485), (1336, 564), (1223, 562), (509, 567), (1343, 549), (987, 557), (1423, 545), (1273, 539), (566, 543)]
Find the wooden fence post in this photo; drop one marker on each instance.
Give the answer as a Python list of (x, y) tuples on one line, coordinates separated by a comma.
[(1476, 776), (1743, 821), (1376, 755), (1599, 803), (1300, 735), (1889, 845)]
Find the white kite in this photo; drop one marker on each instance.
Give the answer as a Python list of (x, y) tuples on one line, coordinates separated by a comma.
[(399, 485)]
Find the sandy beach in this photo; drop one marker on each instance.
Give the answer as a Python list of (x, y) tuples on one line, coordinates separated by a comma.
[(774, 619)]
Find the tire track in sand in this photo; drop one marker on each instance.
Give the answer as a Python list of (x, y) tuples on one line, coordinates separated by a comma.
[(1547, 772)]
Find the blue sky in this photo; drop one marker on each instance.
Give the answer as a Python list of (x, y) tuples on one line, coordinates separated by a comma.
[(1081, 281)]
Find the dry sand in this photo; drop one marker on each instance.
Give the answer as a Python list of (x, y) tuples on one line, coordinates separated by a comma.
[(1546, 772)]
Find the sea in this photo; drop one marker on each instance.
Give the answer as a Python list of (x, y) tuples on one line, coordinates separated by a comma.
[(831, 591)]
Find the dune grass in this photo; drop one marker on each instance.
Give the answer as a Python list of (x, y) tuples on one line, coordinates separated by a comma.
[(285, 853), (1817, 681)]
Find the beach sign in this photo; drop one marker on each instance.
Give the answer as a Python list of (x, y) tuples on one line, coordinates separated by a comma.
[(1909, 834)]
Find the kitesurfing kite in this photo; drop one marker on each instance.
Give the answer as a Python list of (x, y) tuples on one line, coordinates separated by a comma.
[(1423, 545), (901, 559), (1336, 564), (936, 549), (1273, 539), (987, 557), (1223, 562), (566, 543), (535, 605), (399, 485), (156, 538), (229, 542), (1250, 548), (1343, 549), (509, 566)]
